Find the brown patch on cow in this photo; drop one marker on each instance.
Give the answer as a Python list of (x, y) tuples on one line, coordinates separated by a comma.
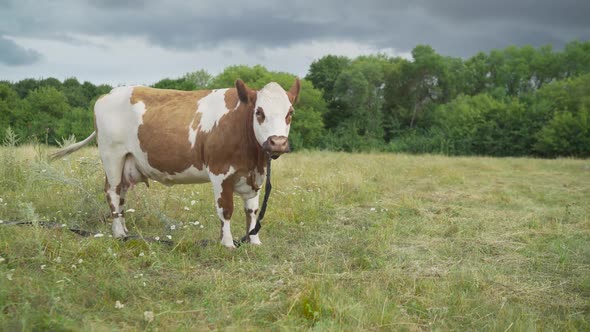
[(164, 132), (251, 181), (121, 202), (226, 200), (232, 142), (249, 220), (231, 100), (111, 205)]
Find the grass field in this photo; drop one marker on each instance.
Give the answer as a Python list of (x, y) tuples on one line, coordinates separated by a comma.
[(350, 242)]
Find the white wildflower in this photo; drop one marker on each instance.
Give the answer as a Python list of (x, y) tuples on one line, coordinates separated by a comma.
[(119, 305), (43, 267), (64, 225), (58, 260), (98, 235), (2, 259), (373, 209), (141, 254), (201, 226), (186, 208), (193, 202), (80, 261), (169, 237), (1, 221), (130, 210), (179, 301), (157, 238), (173, 227), (148, 316), (74, 266)]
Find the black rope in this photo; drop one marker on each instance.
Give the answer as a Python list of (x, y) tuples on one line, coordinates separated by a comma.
[(258, 226), (81, 232)]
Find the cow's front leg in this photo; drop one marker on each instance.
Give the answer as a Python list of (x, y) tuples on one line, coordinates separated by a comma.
[(224, 202), (251, 209)]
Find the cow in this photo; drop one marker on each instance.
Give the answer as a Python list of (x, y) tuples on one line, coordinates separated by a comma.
[(223, 136)]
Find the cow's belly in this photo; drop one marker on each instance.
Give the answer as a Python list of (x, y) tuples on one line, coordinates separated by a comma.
[(189, 175)]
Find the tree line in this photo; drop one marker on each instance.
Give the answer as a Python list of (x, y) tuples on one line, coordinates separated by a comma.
[(517, 101)]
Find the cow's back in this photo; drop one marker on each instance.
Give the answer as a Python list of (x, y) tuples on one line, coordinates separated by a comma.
[(155, 126)]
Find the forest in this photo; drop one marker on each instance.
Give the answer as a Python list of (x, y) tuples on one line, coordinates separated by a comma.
[(517, 101)]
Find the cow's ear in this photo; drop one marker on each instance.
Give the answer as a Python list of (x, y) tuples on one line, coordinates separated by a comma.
[(294, 91), (243, 91)]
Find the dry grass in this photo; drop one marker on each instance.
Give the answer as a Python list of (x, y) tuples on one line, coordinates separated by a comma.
[(351, 241)]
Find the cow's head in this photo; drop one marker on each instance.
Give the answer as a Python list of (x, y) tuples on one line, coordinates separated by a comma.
[(273, 109)]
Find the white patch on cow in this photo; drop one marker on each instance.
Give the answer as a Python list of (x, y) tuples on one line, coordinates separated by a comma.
[(192, 134), (244, 189), (275, 103), (189, 175), (118, 227), (251, 204), (212, 108)]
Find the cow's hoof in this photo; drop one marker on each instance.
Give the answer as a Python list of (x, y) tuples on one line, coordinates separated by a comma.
[(119, 229), (255, 240), (228, 244)]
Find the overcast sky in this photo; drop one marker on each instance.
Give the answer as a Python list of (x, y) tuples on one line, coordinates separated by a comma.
[(142, 41)]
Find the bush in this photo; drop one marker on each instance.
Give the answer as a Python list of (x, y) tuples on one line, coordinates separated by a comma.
[(567, 134)]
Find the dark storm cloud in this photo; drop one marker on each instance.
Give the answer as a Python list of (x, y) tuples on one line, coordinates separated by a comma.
[(453, 27), (12, 54)]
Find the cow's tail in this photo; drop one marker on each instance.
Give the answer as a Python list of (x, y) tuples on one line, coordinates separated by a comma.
[(72, 148)]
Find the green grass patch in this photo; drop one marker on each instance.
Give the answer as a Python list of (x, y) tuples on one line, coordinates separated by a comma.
[(351, 242)]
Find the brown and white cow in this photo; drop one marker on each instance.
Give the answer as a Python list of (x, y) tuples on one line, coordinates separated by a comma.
[(220, 136)]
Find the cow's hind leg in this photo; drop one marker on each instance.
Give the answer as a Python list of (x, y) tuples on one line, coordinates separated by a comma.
[(113, 189), (251, 209)]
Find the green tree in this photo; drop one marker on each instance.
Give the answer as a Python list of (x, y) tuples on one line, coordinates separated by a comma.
[(200, 78), (10, 106), (175, 84), (23, 87), (47, 107), (576, 59), (567, 134), (414, 89), (567, 128), (255, 77), (324, 72)]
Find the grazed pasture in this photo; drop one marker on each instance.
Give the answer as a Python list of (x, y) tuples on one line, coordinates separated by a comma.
[(350, 242)]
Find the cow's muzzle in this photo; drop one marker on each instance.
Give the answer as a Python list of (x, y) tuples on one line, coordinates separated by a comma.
[(275, 146)]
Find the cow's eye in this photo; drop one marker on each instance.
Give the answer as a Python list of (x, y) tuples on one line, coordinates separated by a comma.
[(260, 114)]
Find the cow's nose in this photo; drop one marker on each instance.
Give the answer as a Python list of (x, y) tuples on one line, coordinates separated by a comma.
[(276, 145)]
